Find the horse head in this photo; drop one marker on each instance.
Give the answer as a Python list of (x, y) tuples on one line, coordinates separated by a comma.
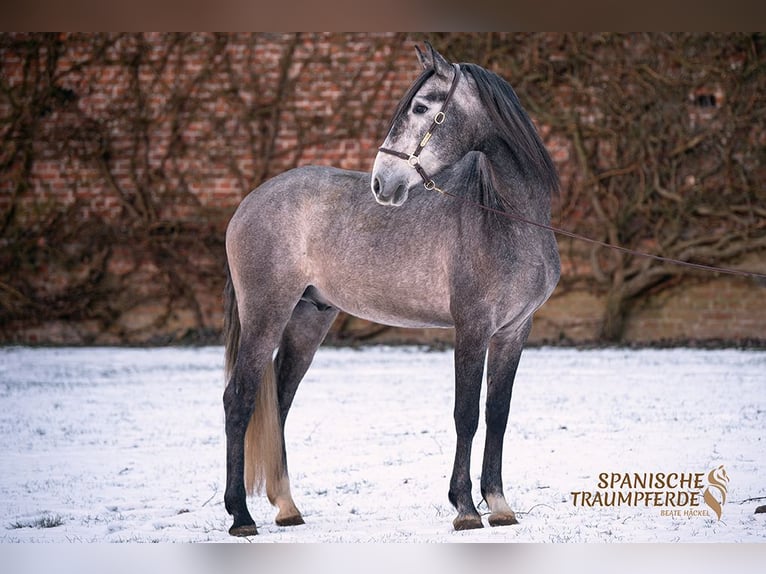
[(432, 128)]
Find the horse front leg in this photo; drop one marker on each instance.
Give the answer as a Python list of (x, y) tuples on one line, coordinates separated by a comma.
[(504, 354), (469, 369)]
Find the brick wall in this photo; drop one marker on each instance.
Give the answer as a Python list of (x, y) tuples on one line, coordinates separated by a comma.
[(124, 156), (210, 116), (721, 311)]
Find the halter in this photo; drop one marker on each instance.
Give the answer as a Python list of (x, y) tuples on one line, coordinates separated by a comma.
[(413, 159)]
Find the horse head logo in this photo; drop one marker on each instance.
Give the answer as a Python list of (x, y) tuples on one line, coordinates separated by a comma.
[(717, 481)]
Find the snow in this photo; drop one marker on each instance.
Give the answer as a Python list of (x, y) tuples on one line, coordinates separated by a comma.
[(127, 445)]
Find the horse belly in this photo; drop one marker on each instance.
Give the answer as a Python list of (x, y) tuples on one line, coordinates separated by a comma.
[(412, 317), (388, 299), (418, 319)]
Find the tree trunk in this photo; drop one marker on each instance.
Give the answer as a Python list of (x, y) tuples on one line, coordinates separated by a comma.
[(613, 325)]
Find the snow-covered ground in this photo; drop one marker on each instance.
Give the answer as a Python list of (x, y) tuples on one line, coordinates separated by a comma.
[(123, 445)]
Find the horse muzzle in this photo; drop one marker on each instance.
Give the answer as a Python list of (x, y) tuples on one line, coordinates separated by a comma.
[(393, 193)]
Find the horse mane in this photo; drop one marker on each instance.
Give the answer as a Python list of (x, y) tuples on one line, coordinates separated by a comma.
[(532, 161)]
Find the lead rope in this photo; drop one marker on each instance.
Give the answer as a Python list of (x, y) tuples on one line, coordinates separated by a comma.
[(579, 237)]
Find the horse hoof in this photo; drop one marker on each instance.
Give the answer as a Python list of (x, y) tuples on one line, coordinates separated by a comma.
[(243, 530), (502, 519), (467, 523), (294, 520)]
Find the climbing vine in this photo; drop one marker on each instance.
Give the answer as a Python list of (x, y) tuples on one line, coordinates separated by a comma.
[(123, 156)]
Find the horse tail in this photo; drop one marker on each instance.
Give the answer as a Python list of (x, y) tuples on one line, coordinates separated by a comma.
[(263, 439)]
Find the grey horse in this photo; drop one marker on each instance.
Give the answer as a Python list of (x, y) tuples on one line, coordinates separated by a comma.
[(312, 241)]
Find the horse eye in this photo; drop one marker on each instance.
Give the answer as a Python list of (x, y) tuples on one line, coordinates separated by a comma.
[(419, 109)]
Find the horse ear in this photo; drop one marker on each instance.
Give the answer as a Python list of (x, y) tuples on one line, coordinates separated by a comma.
[(424, 58), (439, 62)]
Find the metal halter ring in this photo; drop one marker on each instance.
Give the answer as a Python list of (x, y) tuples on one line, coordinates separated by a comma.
[(439, 118), (413, 160), (430, 184)]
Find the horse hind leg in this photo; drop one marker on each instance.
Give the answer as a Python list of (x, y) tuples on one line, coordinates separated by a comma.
[(249, 348), (240, 398), (504, 355), (302, 336), (287, 514)]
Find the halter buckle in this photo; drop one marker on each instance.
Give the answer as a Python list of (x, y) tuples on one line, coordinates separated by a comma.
[(430, 184), (439, 118)]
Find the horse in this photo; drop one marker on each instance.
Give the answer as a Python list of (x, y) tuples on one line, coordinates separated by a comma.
[(312, 242)]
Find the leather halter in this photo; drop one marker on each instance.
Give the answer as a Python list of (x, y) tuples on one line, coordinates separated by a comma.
[(414, 158)]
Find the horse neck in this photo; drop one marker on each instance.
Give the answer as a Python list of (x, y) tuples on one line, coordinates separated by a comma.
[(522, 196)]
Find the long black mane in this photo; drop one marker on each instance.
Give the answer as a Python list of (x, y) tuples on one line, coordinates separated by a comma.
[(516, 130)]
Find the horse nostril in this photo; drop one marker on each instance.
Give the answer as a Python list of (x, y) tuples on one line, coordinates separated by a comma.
[(376, 185)]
